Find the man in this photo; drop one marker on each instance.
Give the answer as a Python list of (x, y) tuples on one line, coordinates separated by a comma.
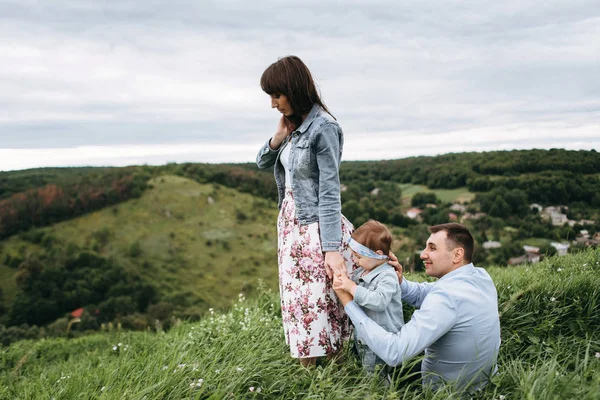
[(457, 323)]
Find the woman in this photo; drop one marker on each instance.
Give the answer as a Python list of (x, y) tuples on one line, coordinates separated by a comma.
[(312, 233)]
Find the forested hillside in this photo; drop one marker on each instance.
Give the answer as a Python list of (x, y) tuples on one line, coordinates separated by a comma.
[(141, 244)]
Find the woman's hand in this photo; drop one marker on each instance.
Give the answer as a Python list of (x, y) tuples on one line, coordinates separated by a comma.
[(284, 128), (397, 266), (334, 263)]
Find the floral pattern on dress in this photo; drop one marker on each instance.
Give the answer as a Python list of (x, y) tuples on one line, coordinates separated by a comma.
[(314, 321)]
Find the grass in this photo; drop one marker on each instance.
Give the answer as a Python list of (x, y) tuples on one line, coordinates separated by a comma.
[(550, 320), (537, 242), (204, 242), (459, 195)]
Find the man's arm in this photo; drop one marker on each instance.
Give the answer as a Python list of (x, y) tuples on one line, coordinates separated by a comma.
[(436, 317), (414, 293)]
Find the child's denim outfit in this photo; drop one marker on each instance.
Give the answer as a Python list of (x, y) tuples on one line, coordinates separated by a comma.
[(378, 294)]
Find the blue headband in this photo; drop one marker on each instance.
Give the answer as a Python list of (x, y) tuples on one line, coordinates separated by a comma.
[(365, 251)]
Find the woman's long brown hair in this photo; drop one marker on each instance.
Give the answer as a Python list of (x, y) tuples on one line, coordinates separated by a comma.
[(290, 76)]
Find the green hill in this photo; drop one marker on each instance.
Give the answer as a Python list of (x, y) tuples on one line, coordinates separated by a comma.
[(203, 233), (198, 244), (550, 320)]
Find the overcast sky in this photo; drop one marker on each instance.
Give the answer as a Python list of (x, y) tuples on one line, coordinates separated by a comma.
[(125, 82)]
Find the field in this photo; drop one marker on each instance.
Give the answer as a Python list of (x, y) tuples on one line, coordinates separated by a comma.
[(459, 195), (550, 318)]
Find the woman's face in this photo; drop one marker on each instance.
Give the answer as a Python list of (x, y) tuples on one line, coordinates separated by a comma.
[(282, 104)]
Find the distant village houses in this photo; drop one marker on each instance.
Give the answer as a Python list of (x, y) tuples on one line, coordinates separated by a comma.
[(468, 216), (555, 214), (414, 213), (532, 255), (584, 239), (536, 206), (458, 207), (558, 218), (561, 248), (491, 244)]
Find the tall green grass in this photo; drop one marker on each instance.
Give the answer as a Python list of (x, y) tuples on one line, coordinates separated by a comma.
[(550, 349)]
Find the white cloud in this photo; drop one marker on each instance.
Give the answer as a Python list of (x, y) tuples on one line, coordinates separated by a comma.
[(151, 75)]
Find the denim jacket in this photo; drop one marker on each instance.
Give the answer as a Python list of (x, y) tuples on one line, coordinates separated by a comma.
[(315, 158)]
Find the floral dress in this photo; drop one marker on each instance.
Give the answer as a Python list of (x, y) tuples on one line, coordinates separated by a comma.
[(314, 321)]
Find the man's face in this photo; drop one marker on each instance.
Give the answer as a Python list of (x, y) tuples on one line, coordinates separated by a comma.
[(437, 256)]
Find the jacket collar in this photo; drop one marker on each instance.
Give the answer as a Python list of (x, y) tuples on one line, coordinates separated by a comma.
[(314, 111), (374, 273)]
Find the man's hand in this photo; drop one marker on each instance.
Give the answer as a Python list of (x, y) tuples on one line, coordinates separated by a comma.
[(334, 263), (397, 266)]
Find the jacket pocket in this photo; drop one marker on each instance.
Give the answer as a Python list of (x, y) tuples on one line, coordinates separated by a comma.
[(302, 150)]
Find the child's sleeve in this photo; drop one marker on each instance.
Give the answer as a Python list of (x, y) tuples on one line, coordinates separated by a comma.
[(377, 299)]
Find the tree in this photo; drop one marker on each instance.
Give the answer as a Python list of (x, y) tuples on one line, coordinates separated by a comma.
[(548, 250), (422, 198), (499, 208), (352, 210)]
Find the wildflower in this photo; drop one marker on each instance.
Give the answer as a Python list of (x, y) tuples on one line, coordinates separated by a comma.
[(501, 397), (597, 355), (508, 287), (238, 369), (560, 269), (63, 377), (251, 388), (217, 371), (585, 265), (119, 344), (553, 299), (197, 384), (102, 388), (165, 367), (115, 348)]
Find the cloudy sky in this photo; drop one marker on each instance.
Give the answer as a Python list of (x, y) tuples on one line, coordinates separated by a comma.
[(120, 82)]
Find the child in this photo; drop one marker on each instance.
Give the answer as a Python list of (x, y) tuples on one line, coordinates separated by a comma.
[(374, 286)]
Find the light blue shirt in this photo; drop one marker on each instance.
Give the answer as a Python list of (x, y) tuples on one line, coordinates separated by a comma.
[(457, 325)]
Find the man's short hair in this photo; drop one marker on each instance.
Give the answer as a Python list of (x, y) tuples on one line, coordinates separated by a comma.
[(459, 236), (374, 235)]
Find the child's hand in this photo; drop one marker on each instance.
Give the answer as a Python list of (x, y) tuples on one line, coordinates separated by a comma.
[(342, 282)]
